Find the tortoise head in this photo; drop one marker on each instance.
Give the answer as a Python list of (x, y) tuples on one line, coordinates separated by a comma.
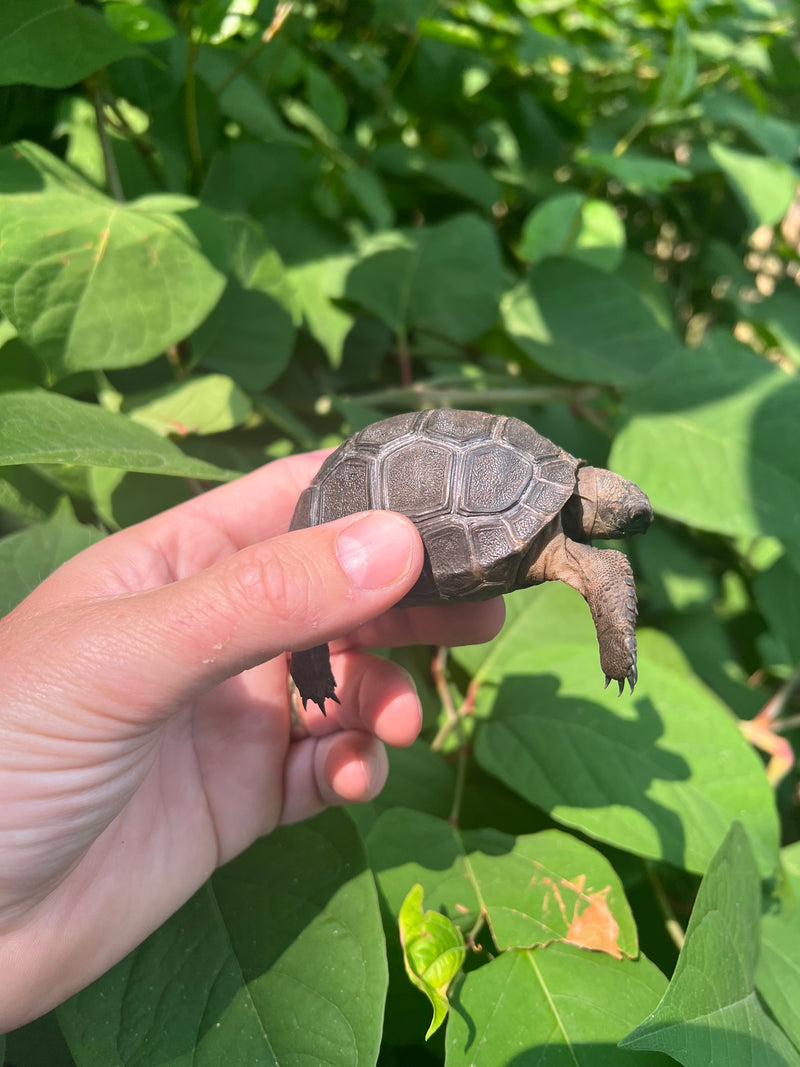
[(605, 505)]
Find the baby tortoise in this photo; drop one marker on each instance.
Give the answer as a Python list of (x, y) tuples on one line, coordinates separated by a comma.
[(499, 507)]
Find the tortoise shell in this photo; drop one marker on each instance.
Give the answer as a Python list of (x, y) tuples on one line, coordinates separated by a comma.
[(479, 488)]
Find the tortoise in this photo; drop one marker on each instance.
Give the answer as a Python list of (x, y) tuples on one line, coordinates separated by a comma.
[(499, 507)]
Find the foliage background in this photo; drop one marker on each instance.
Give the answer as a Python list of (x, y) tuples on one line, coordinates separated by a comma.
[(229, 230)]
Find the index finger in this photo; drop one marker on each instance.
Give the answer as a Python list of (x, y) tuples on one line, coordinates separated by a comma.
[(255, 507)]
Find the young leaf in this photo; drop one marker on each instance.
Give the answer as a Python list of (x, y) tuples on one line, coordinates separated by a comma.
[(710, 1013), (54, 43), (433, 952)]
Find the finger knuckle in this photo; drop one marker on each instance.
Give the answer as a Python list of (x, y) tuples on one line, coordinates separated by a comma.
[(278, 586)]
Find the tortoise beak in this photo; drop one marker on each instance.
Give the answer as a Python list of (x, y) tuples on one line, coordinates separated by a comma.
[(640, 517)]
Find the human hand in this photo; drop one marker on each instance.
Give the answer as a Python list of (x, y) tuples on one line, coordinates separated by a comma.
[(145, 731)]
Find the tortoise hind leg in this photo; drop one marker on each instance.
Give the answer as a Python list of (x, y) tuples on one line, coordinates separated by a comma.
[(312, 674), (604, 579)]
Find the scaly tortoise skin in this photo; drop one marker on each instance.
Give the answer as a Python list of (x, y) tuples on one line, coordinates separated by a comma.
[(498, 507)]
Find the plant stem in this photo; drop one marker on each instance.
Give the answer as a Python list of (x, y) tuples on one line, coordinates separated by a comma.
[(141, 144), (110, 163), (673, 927), (428, 394), (190, 115), (282, 12)]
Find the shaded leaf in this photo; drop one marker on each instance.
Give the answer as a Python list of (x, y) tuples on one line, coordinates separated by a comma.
[(584, 324), (710, 1013), (778, 972), (644, 773), (399, 278), (639, 174), (777, 591), (27, 557), (278, 960), (54, 43)]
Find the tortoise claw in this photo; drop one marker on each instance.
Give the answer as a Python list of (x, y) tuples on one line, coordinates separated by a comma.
[(608, 681)]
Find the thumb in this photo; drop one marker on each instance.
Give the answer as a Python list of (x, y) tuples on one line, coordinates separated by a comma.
[(289, 593)]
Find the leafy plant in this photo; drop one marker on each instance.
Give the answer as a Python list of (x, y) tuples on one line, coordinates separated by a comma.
[(229, 230)]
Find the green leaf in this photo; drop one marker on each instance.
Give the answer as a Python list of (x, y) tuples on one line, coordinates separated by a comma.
[(326, 98), (764, 186), (399, 278), (639, 174), (551, 1007), (586, 325), (27, 557), (54, 43), (680, 75), (708, 439), (640, 773), (781, 315), (677, 579), (778, 972), (137, 22), (278, 960), (319, 284), (773, 135), (211, 403), (572, 226), (42, 427), (710, 1013), (550, 886), (90, 283), (433, 952), (532, 889)]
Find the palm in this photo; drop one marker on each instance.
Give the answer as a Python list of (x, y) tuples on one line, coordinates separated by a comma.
[(156, 741)]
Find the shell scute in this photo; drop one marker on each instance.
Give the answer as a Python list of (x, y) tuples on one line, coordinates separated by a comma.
[(417, 480)]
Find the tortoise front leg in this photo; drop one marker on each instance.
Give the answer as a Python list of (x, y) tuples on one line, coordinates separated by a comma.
[(312, 674), (604, 579)]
